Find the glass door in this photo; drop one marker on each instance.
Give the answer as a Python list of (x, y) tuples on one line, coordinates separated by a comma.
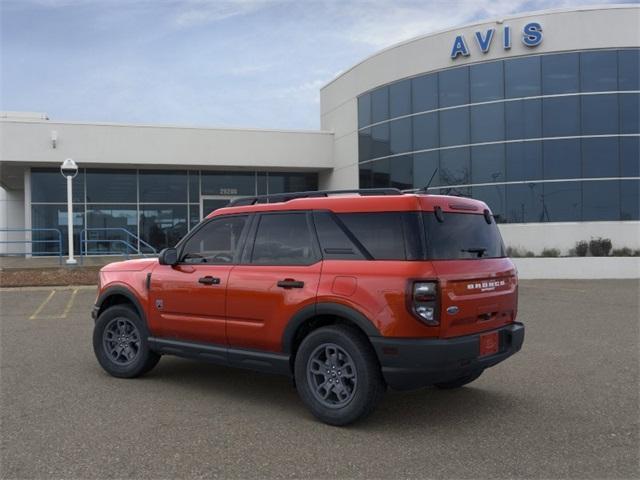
[(209, 203)]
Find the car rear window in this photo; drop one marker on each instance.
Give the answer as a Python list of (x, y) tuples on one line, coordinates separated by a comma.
[(461, 236)]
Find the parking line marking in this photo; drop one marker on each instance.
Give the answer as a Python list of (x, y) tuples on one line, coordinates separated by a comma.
[(42, 305), (67, 308)]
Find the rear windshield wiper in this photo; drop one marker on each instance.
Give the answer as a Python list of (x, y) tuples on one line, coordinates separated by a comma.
[(479, 251)]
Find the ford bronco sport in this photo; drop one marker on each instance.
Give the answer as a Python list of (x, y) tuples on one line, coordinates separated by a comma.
[(346, 292)]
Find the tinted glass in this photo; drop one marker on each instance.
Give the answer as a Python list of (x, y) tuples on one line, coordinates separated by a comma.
[(400, 135), (334, 242), (487, 81), (560, 73), (163, 186), (561, 159), (424, 166), (54, 217), (561, 116), (380, 105), (487, 123), (522, 77), (523, 161), (600, 157), (487, 164), (380, 140), (228, 183), (454, 127), (562, 201), (381, 173), (119, 219), (494, 197), (630, 157), (629, 69), (380, 233), (216, 242), (364, 110), (292, 182), (194, 215), (48, 185), (194, 186), (283, 239), (425, 131), (400, 98), (424, 93), (601, 200), (523, 119), (629, 204), (599, 114), (365, 145), (402, 172), (629, 113), (454, 87), (163, 225), (599, 71), (365, 176), (461, 236), (262, 183), (455, 168), (524, 203), (112, 186)]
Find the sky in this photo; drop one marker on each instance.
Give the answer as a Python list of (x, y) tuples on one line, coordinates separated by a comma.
[(219, 63)]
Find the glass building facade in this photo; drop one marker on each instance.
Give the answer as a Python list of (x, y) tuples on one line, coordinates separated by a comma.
[(539, 138), (116, 207)]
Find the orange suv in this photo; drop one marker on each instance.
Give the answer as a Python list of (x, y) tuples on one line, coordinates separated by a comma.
[(347, 292)]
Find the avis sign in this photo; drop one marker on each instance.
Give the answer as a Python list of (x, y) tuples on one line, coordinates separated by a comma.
[(531, 37)]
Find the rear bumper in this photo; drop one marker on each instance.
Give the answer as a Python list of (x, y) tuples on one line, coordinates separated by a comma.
[(414, 363)]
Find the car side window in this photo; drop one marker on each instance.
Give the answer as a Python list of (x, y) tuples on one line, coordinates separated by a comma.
[(334, 241), (283, 239), (216, 242)]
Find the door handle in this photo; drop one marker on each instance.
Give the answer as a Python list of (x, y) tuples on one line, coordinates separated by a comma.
[(290, 283), (208, 280)]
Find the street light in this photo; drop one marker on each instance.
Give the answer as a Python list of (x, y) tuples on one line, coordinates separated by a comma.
[(69, 170)]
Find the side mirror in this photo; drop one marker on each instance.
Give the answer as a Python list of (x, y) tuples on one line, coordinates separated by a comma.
[(168, 256)]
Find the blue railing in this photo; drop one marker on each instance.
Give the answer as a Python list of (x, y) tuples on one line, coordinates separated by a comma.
[(57, 241), (132, 243)]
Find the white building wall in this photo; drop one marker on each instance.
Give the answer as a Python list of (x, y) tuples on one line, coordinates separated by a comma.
[(11, 217)]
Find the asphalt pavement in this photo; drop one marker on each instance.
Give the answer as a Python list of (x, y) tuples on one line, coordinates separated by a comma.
[(566, 406)]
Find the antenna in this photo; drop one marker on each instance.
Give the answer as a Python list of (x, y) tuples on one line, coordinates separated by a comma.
[(425, 188)]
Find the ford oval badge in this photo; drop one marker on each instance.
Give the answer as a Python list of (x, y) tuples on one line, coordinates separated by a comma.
[(452, 310)]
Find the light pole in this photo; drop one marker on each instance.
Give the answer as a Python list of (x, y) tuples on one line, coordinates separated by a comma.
[(69, 170)]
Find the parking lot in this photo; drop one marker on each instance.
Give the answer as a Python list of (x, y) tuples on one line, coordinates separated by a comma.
[(565, 407)]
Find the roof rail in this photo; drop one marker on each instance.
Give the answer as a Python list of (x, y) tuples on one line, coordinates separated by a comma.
[(285, 197)]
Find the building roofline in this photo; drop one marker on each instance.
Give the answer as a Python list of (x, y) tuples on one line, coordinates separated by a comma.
[(167, 126), (612, 6)]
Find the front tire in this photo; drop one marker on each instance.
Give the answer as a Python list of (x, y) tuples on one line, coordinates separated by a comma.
[(337, 375), (120, 343)]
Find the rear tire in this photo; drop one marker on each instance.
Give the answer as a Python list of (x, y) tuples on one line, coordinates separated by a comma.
[(337, 375), (459, 382), (120, 343)]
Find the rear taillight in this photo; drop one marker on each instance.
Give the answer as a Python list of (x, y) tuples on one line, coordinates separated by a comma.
[(423, 302)]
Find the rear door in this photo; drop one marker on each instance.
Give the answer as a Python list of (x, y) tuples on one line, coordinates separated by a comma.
[(478, 284), (278, 275)]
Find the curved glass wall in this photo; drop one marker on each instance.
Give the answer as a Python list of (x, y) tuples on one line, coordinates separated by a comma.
[(541, 138)]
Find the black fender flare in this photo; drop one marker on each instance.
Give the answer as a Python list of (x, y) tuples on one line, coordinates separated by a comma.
[(325, 308), (125, 292)]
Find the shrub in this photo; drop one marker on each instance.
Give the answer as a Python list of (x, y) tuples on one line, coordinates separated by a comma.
[(519, 252), (600, 247), (625, 252), (550, 252), (581, 249)]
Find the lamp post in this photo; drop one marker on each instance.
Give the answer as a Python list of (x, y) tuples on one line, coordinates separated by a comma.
[(69, 170)]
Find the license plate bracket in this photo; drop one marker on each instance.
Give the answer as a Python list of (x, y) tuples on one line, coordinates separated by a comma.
[(489, 344)]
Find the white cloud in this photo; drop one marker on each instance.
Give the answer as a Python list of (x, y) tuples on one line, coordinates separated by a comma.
[(199, 12)]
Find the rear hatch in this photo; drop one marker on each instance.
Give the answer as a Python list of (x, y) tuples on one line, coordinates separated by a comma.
[(478, 284)]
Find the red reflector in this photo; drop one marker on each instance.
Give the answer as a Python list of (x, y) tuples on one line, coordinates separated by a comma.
[(489, 343)]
